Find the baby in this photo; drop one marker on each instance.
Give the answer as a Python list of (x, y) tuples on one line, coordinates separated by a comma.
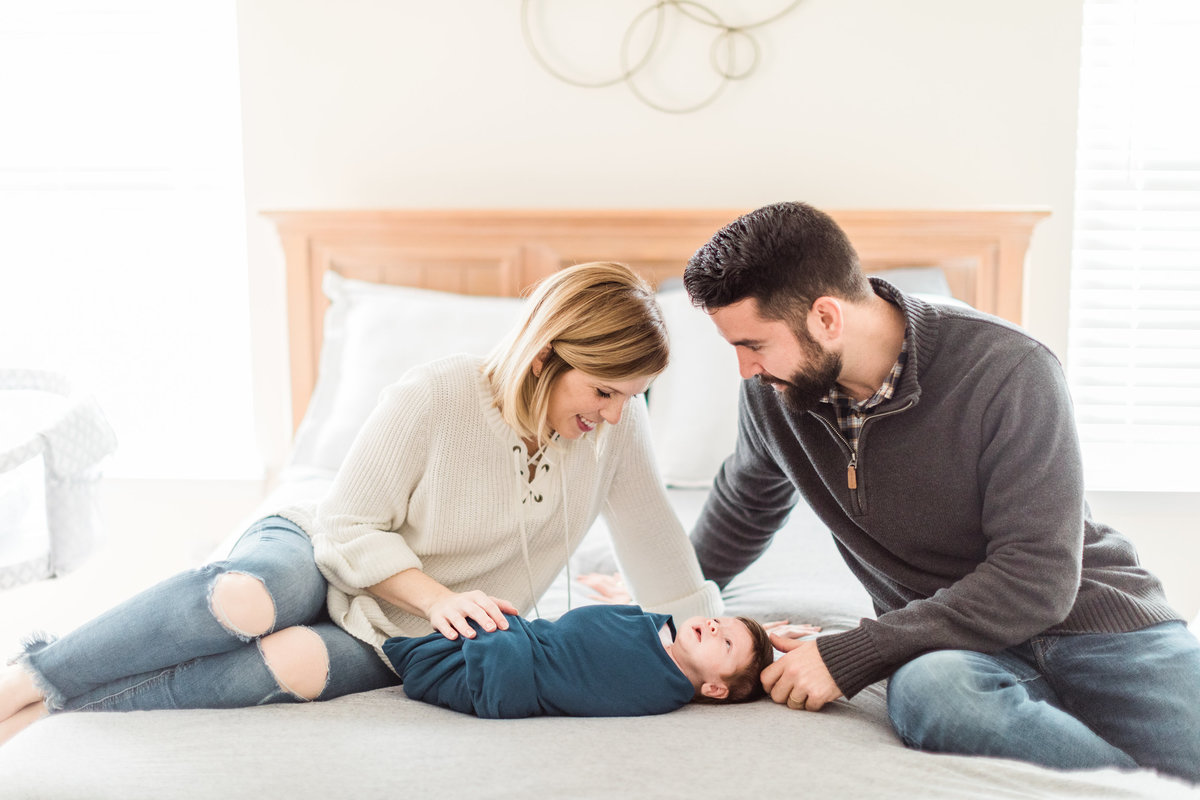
[(594, 661)]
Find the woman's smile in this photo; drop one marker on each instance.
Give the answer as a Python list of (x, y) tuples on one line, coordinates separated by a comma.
[(579, 402)]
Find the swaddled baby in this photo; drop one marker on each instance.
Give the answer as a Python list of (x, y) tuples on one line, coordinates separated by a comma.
[(594, 661)]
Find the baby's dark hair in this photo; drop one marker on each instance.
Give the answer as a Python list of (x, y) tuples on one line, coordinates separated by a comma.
[(745, 684)]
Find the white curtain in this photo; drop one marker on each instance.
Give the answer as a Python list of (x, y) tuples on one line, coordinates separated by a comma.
[(1134, 345), (123, 245)]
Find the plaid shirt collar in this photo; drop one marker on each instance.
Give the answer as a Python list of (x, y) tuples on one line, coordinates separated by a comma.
[(850, 413), (842, 400)]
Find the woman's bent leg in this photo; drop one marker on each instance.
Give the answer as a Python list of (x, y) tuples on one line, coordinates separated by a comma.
[(957, 701), (269, 581), (317, 662)]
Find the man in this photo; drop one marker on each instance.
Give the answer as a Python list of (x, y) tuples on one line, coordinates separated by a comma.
[(939, 447)]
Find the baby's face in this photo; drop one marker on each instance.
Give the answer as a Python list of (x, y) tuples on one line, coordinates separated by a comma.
[(710, 649)]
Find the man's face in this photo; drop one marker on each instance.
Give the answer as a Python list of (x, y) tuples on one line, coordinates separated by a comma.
[(792, 362)]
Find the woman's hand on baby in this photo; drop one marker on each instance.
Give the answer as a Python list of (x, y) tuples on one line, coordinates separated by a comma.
[(783, 628), (606, 587), (452, 613)]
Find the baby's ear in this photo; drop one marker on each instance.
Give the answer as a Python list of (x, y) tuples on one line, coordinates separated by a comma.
[(715, 690)]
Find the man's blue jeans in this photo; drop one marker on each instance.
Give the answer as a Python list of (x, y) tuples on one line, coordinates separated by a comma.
[(164, 648), (1072, 702)]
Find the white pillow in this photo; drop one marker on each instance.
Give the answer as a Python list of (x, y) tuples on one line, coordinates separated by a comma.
[(374, 333), (693, 403)]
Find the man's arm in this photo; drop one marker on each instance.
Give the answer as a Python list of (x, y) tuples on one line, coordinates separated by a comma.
[(1030, 497)]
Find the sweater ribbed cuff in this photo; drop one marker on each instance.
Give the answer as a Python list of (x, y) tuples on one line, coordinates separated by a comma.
[(704, 602), (851, 659)]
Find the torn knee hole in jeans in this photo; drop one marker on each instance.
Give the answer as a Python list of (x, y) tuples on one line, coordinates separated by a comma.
[(298, 661), (242, 604)]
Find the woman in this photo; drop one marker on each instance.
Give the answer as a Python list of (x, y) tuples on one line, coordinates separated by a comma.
[(462, 498)]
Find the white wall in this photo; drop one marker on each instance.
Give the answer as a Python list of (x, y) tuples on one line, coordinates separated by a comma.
[(856, 104)]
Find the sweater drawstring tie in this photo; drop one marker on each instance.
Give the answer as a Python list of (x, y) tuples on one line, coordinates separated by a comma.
[(523, 495), (562, 475)]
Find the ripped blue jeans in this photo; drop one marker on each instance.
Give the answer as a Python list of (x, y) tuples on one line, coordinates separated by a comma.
[(164, 648)]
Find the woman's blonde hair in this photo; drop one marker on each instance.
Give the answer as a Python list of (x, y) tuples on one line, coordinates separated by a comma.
[(599, 318)]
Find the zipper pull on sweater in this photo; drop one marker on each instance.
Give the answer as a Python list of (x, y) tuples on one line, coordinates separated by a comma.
[(852, 472)]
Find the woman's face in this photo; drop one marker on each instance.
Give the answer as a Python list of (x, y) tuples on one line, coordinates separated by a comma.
[(579, 402)]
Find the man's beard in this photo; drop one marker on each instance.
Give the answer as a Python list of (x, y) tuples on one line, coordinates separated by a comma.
[(805, 388)]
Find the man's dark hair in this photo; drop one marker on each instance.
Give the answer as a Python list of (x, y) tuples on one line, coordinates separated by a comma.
[(745, 684), (784, 256)]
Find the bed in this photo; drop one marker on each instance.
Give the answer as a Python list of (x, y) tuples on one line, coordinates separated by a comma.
[(371, 292)]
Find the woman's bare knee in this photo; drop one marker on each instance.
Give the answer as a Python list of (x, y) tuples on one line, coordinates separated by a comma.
[(242, 604), (298, 660)]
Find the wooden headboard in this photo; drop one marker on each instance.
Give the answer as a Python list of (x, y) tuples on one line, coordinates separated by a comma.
[(489, 252)]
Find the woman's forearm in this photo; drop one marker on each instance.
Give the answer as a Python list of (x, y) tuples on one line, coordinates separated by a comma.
[(411, 590), (449, 612)]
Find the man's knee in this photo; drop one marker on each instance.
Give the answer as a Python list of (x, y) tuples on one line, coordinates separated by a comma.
[(947, 689), (931, 673), (933, 681), (242, 604), (298, 660)]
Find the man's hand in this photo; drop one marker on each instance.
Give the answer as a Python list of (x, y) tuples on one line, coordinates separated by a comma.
[(799, 678)]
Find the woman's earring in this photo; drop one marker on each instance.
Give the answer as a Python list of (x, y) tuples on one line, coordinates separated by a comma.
[(539, 361)]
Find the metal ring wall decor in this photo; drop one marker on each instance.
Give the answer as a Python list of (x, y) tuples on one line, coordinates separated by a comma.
[(723, 46)]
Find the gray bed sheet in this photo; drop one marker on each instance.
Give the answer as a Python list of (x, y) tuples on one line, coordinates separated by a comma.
[(382, 745)]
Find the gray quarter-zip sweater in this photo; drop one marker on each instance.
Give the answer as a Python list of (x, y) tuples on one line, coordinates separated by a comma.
[(968, 525)]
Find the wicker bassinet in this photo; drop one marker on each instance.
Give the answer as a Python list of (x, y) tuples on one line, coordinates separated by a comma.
[(52, 441)]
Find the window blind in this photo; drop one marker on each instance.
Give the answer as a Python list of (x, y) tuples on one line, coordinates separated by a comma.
[(1134, 333), (124, 262)]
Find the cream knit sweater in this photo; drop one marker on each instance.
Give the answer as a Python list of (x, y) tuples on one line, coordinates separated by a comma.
[(436, 480)]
